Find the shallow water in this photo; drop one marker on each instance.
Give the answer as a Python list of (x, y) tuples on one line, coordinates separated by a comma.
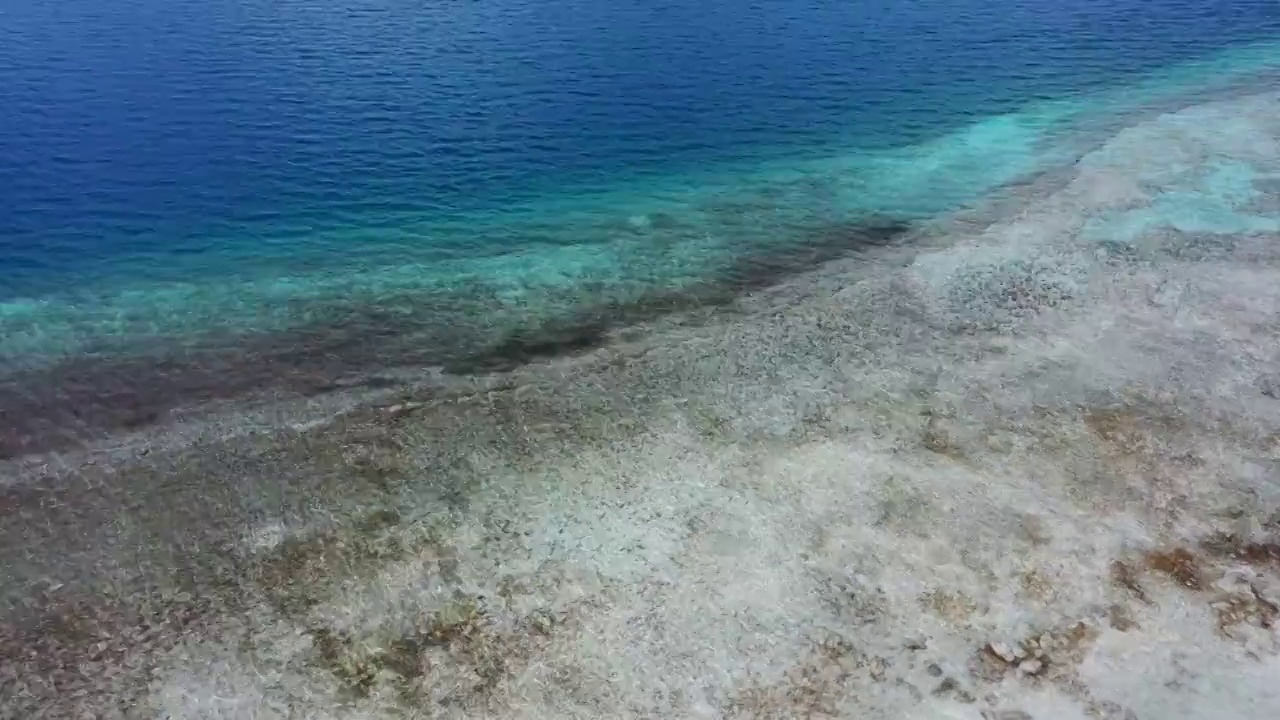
[(1024, 433), (206, 199)]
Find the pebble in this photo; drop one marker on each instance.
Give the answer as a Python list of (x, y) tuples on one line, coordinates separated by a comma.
[(402, 408), (1005, 652)]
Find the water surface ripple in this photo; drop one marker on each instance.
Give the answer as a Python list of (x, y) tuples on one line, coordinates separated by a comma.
[(184, 178)]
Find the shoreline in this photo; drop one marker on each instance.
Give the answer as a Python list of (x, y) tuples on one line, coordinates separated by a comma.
[(83, 399), (1011, 471)]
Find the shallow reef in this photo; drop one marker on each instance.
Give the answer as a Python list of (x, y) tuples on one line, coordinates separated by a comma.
[(1020, 462)]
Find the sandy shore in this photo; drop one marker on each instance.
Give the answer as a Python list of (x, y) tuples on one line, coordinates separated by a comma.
[(1023, 466)]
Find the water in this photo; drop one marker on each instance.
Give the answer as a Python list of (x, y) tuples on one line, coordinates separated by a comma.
[(386, 181)]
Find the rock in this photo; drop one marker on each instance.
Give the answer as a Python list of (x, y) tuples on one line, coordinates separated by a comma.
[(400, 409), (1236, 581), (1005, 652), (1031, 667), (1266, 588)]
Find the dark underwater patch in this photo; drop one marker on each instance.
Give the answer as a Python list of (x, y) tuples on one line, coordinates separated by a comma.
[(590, 328), (88, 397)]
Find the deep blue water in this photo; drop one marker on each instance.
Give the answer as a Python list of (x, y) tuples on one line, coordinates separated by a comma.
[(169, 127)]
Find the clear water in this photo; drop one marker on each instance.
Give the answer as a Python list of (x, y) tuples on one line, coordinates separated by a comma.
[(423, 180)]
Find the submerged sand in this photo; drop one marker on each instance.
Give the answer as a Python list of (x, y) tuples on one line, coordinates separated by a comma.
[(1024, 465)]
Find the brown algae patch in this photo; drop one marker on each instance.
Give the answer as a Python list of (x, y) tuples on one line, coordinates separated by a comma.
[(1242, 593), (817, 687), (299, 572), (1179, 564), (954, 607), (458, 655), (1140, 426), (1127, 577)]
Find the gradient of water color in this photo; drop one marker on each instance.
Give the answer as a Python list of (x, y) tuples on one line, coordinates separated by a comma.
[(421, 182)]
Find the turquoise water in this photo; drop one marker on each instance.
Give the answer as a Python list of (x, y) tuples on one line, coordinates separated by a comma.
[(548, 253), (389, 182)]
